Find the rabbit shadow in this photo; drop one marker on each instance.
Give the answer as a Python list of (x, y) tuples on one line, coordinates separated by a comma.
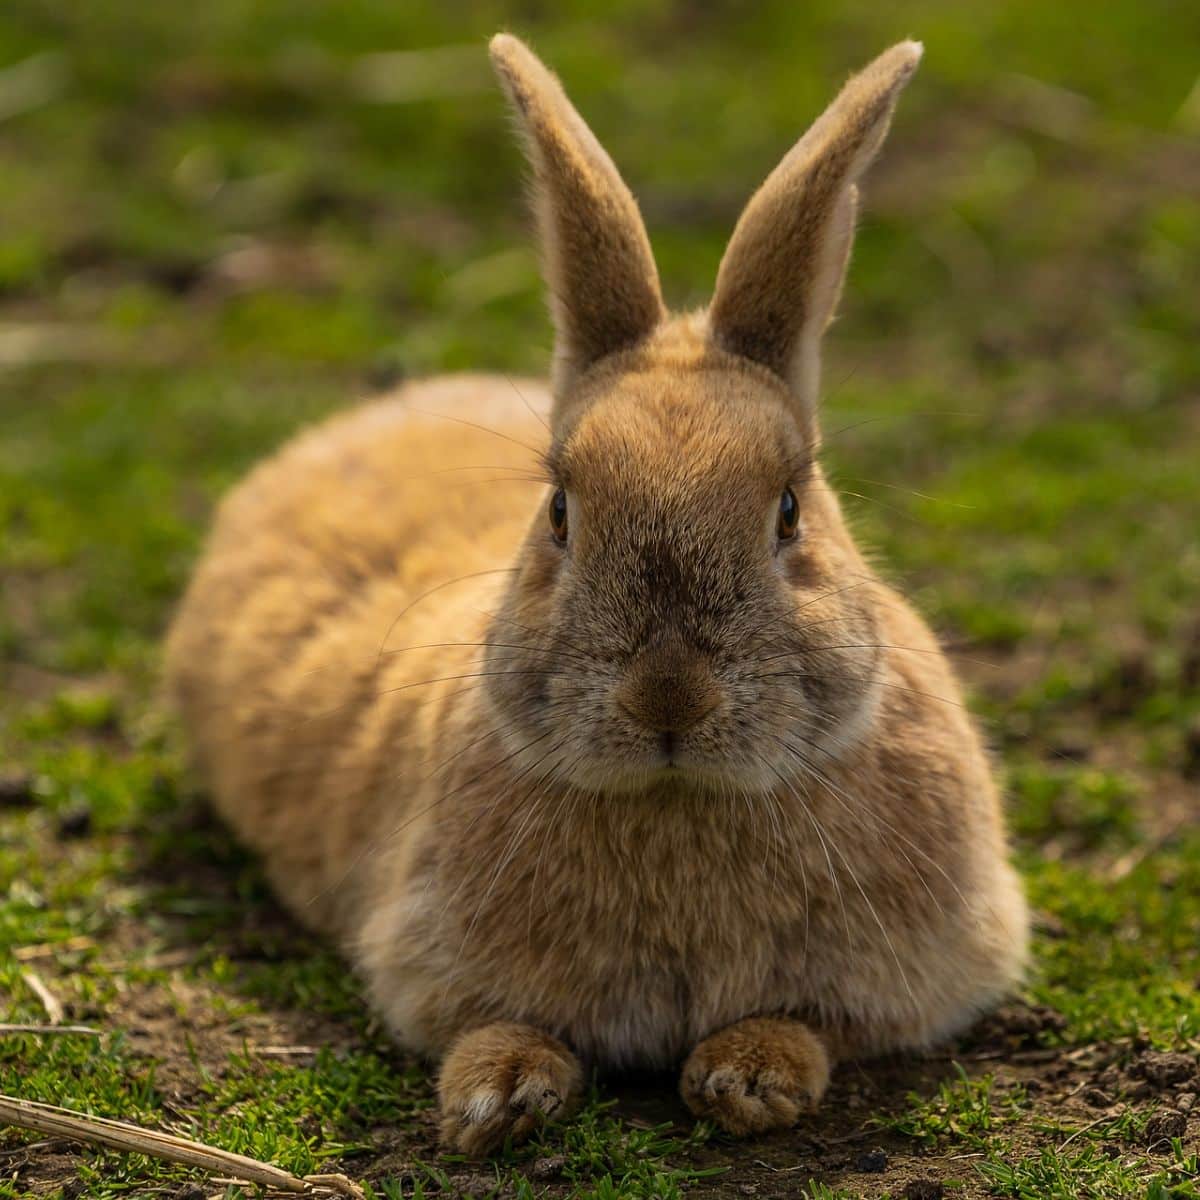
[(861, 1114), (210, 894), (211, 904)]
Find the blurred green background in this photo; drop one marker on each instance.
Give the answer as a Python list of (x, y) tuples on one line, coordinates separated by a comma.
[(219, 221)]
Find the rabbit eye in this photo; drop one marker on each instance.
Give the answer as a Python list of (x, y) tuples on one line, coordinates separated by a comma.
[(789, 516), (558, 515)]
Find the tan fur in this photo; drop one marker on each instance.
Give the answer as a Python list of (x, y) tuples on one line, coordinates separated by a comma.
[(599, 269), (504, 1080), (756, 1075), (782, 273), (672, 778)]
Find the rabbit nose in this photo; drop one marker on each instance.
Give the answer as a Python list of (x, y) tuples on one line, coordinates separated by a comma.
[(668, 688)]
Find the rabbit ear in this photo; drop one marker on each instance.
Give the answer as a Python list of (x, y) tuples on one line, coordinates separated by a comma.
[(782, 272), (604, 290)]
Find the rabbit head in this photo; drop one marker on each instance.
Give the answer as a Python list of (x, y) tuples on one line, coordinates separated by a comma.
[(688, 610)]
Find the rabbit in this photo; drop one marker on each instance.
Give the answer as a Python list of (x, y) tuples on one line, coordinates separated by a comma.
[(573, 712)]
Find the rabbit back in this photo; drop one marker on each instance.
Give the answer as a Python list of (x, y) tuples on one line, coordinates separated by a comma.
[(294, 659)]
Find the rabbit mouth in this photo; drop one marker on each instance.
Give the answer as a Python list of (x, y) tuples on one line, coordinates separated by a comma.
[(678, 770)]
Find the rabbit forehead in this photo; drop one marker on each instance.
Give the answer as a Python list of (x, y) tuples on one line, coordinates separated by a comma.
[(662, 431)]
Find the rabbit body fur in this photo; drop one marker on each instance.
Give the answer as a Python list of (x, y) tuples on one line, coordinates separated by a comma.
[(673, 784)]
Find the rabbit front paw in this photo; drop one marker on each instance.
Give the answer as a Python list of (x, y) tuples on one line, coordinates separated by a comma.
[(756, 1075), (502, 1081)]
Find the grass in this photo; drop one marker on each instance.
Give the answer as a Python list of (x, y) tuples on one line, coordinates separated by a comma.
[(219, 223)]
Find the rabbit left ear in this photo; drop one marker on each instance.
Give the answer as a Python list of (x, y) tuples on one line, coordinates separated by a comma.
[(604, 290), (782, 273)]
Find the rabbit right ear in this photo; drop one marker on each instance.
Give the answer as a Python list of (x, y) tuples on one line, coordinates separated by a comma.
[(781, 276), (604, 290)]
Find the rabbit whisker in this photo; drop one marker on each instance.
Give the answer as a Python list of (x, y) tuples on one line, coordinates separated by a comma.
[(525, 401), (541, 633), (895, 508), (557, 650), (873, 681), (911, 491), (791, 612), (937, 866), (511, 848), (843, 800), (311, 718), (801, 651), (375, 846), (896, 417), (803, 805), (425, 412), (437, 588), (567, 800), (861, 890)]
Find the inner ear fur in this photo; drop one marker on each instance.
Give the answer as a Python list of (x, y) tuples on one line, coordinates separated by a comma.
[(599, 269), (781, 276)]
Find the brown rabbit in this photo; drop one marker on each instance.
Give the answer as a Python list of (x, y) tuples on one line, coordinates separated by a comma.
[(613, 749)]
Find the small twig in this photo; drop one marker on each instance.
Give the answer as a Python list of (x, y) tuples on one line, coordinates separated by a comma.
[(81, 1029), (759, 1162), (46, 998), (120, 1135), (1084, 1129), (31, 1147), (51, 949), (336, 1183), (62, 1122), (165, 961), (1130, 861), (857, 1136)]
